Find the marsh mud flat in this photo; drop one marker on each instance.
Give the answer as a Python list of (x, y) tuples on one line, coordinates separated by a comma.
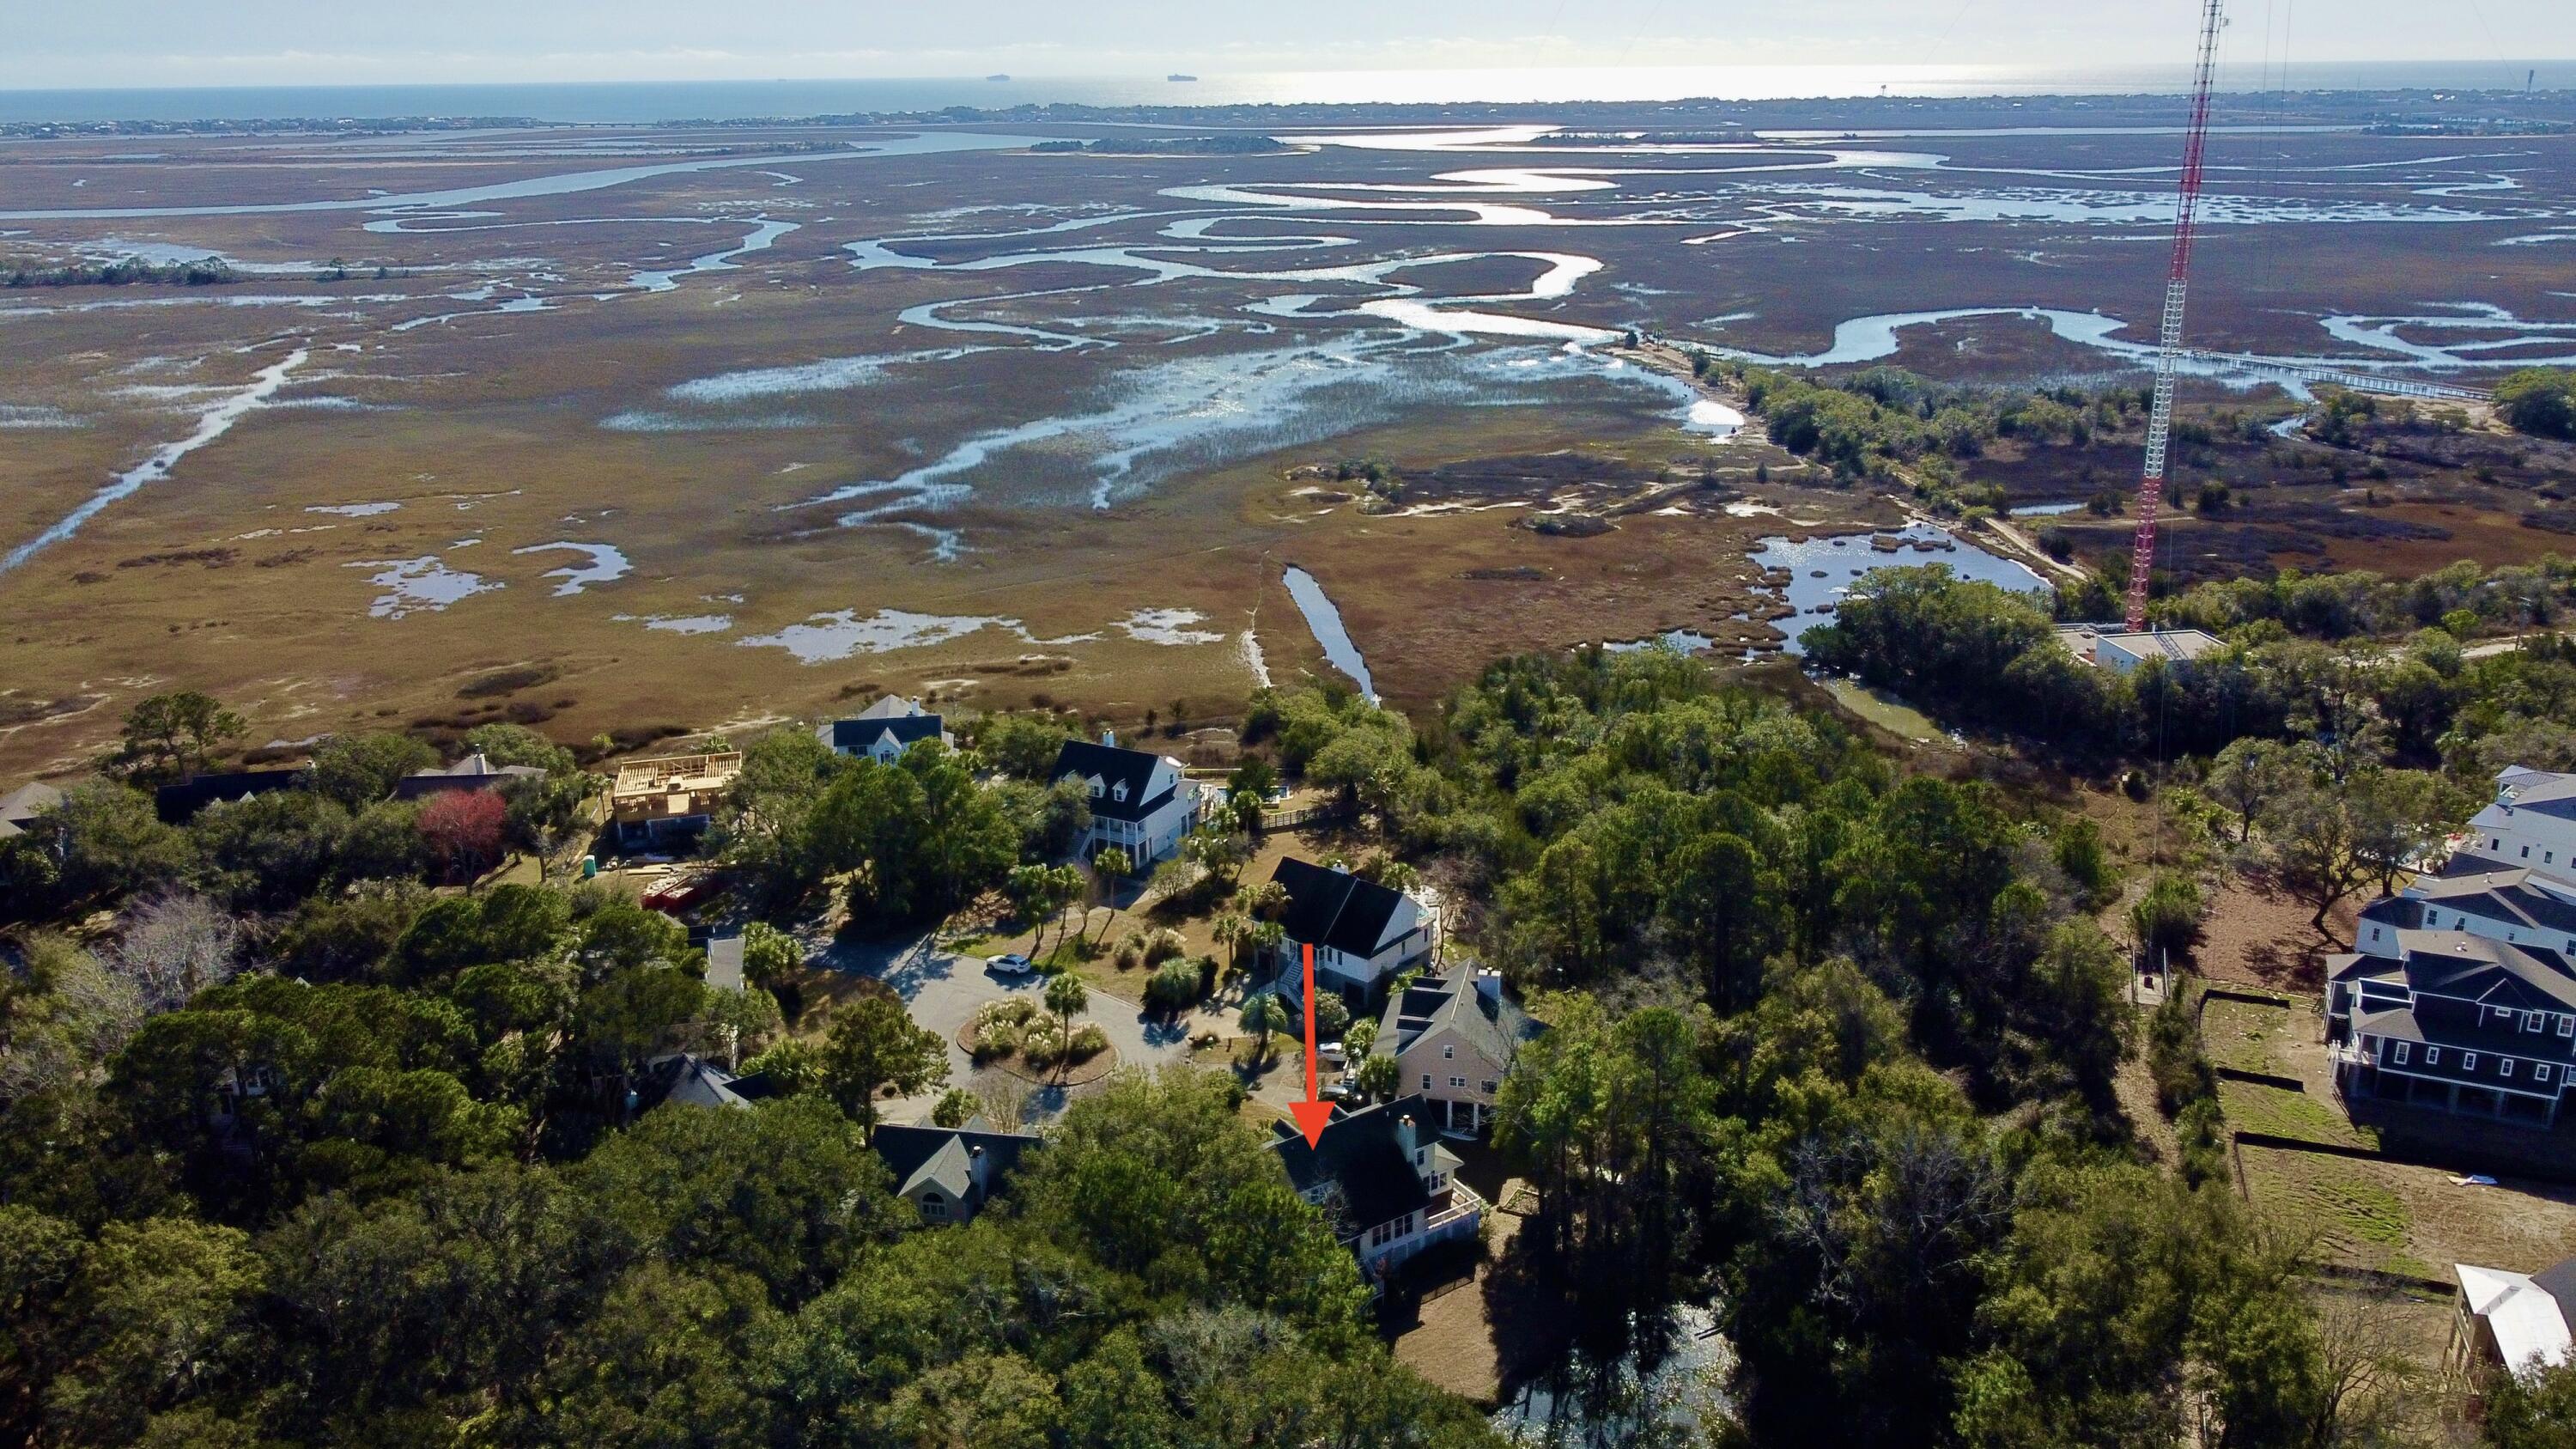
[(937, 375)]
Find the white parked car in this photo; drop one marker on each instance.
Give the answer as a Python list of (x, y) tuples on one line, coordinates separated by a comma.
[(1010, 963), (1330, 1054)]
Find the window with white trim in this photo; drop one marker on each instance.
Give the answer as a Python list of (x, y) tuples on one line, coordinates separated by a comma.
[(1490, 1085), (2504, 1067), (2567, 1024), (1426, 1081), (2468, 1061), (2540, 1071), (2397, 1053), (2531, 1021), (1459, 1083), (1447, 1051), (2432, 1056)]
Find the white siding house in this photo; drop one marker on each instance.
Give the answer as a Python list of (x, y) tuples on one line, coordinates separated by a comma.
[(1139, 801), (1363, 933)]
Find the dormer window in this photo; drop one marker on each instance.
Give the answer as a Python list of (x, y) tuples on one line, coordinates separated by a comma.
[(1118, 791)]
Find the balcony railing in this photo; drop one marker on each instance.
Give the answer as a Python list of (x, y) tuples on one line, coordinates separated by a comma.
[(1463, 1203)]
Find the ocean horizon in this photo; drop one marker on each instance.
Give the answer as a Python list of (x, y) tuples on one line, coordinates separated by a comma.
[(649, 102)]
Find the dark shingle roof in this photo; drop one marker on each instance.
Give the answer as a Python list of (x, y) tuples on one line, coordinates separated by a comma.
[(909, 1151), (1359, 1151), (2469, 968), (178, 804), (2559, 1282), (851, 735), (1493, 1026), (1334, 908), (24, 804), (1113, 766), (474, 772), (696, 1082)]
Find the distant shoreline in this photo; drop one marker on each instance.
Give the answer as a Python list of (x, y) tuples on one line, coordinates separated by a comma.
[(2486, 88)]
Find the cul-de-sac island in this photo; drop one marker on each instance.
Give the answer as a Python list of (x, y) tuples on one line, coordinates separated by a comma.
[(1852, 728)]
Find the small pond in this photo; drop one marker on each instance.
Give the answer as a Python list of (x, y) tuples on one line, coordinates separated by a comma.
[(1325, 620)]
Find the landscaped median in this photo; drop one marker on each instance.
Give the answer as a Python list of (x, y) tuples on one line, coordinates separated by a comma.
[(1018, 1036)]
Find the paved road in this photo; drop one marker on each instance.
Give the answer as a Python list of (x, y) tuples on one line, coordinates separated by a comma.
[(943, 990)]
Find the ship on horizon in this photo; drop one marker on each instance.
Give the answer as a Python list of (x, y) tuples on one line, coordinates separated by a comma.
[(1176, 77), (998, 76)]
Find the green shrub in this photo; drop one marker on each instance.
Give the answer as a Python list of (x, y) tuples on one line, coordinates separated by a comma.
[(1087, 1041), (2167, 918), (2203, 1133), (1173, 987), (1042, 1043), (2182, 1072), (1163, 946)]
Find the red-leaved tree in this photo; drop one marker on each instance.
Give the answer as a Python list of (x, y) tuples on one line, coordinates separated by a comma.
[(463, 828)]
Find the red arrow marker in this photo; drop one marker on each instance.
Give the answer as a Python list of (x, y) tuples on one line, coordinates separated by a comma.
[(1313, 1113)]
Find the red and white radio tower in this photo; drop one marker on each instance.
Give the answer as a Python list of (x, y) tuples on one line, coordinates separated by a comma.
[(2151, 490)]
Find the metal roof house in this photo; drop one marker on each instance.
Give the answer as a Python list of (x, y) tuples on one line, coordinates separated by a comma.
[(2512, 1321)]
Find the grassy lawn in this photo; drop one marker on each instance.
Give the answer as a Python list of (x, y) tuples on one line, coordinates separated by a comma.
[(2280, 1112), (2242, 1035), (2359, 1217)]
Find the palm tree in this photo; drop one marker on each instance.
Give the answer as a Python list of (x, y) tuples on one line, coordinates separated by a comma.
[(1263, 1015), (1108, 868), (1266, 936), (1065, 995), (1231, 932)]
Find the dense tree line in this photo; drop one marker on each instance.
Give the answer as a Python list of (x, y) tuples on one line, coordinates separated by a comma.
[(2369, 670), (1863, 425), (273, 851), (1832, 1048), (292, 1152)]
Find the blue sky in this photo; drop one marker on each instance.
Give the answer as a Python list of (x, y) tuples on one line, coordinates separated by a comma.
[(272, 42)]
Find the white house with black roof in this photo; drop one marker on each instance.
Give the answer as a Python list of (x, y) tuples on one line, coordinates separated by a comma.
[(2531, 824), (1140, 801), (1384, 1181), (1364, 934), (884, 730)]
